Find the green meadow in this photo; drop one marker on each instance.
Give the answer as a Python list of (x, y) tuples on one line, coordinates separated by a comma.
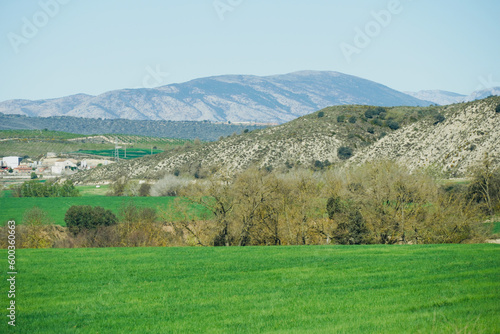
[(304, 289), (56, 207)]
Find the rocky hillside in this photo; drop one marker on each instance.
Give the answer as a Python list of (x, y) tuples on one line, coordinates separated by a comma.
[(469, 131), (448, 138), (235, 98)]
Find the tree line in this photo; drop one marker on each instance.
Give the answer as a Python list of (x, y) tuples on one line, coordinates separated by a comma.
[(377, 203)]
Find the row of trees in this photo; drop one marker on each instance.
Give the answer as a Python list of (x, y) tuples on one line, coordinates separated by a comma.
[(35, 188), (379, 202)]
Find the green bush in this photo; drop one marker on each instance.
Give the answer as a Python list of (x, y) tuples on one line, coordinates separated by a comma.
[(371, 130), (438, 118), (352, 119), (393, 125), (497, 109), (321, 114), (344, 152), (33, 176), (85, 217), (333, 206), (340, 119)]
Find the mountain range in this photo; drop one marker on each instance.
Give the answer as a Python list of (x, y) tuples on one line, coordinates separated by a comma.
[(442, 97), (234, 98)]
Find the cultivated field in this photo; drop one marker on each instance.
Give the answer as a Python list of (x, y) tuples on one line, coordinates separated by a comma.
[(316, 289), (35, 143), (56, 207)]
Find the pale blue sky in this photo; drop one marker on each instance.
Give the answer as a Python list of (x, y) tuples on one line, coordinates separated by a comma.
[(95, 46)]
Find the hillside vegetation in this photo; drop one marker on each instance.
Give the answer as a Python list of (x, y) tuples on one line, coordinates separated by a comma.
[(93, 126), (446, 138), (35, 143)]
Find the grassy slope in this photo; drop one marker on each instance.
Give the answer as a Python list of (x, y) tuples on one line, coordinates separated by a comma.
[(351, 289)]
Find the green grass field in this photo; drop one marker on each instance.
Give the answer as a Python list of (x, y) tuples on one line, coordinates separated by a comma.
[(317, 289), (56, 207)]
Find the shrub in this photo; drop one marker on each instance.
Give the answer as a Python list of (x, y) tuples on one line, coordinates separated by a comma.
[(393, 125), (321, 114), (169, 185), (369, 113), (371, 130), (344, 152), (33, 175), (352, 119), (439, 118), (85, 217), (378, 122), (333, 206), (352, 229), (340, 119), (497, 110), (144, 189)]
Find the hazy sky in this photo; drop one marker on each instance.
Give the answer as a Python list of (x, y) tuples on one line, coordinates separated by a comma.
[(54, 48)]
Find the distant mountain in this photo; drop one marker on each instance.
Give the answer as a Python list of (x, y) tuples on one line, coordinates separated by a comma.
[(481, 94), (440, 97), (235, 98)]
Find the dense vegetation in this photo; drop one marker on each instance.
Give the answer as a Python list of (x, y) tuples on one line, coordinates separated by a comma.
[(46, 189), (317, 289), (376, 203), (90, 126), (86, 217)]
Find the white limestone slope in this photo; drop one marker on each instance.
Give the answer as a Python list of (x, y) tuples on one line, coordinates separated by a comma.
[(469, 132)]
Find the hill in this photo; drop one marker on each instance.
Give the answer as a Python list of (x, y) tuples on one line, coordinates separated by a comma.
[(91, 126), (448, 138), (468, 132), (235, 98), (442, 97), (36, 143)]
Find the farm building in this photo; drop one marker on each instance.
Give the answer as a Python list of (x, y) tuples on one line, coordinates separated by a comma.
[(23, 169), (66, 163), (11, 162)]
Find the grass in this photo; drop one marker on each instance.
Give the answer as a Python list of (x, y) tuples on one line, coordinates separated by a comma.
[(56, 207), (130, 153), (319, 289)]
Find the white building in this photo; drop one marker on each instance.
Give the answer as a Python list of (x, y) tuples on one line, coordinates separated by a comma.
[(11, 162), (56, 169)]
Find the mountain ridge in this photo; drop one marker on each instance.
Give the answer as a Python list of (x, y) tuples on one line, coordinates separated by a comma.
[(235, 98)]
